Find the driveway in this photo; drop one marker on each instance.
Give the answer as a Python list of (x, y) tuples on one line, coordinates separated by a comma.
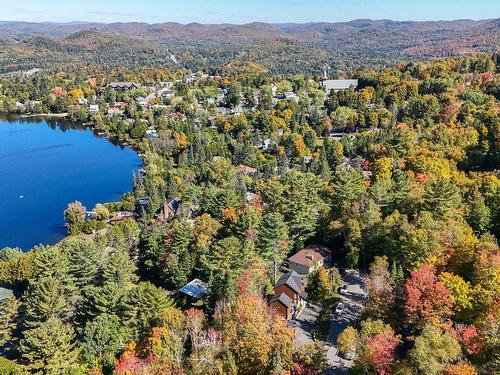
[(354, 305), (304, 325)]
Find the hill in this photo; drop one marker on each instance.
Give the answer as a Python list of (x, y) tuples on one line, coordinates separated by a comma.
[(282, 48)]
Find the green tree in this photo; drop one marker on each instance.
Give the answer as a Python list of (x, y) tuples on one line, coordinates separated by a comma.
[(50, 348), (120, 269), (103, 338), (273, 242), (85, 261), (442, 198), (178, 261), (44, 299), (9, 313), (143, 308), (433, 350), (319, 287)]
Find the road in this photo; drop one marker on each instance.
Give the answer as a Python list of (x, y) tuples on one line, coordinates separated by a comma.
[(354, 304), (304, 325)]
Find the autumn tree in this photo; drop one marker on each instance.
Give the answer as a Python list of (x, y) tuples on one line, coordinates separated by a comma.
[(74, 215), (427, 299), (380, 286), (319, 286)]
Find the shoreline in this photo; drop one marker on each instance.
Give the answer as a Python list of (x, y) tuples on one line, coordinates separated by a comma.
[(54, 115)]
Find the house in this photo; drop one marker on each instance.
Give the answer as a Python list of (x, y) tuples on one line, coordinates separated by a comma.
[(93, 108), (123, 86), (291, 96), (114, 111), (356, 163), (265, 144), (289, 295), (151, 133), (308, 259), (245, 169), (5, 293), (144, 201), (121, 216), (194, 289), (338, 84), (282, 305)]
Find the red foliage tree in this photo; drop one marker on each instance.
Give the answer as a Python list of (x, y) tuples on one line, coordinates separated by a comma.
[(427, 299), (469, 338), (379, 352)]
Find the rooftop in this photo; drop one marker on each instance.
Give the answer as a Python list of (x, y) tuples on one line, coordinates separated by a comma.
[(283, 298), (291, 279), (5, 293), (195, 288), (310, 255), (338, 84)]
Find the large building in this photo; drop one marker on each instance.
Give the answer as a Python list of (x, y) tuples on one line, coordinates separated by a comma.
[(338, 84)]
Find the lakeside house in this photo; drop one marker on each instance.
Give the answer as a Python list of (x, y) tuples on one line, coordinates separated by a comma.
[(121, 216), (308, 259)]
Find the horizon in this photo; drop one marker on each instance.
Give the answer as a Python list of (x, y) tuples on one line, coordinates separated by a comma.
[(211, 12), (83, 22)]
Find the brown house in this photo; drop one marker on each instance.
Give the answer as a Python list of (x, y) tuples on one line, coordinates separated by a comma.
[(308, 259), (245, 169), (289, 295), (172, 208), (282, 305)]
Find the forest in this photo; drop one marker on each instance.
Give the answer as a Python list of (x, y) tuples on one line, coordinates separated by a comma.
[(398, 176)]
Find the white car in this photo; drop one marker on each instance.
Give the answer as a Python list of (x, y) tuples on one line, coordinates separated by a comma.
[(343, 290), (350, 355), (339, 309)]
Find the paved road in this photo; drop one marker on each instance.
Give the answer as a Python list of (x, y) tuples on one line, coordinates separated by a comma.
[(353, 308), (304, 325)]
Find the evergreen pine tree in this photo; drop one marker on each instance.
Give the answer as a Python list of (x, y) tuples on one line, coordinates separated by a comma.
[(50, 348), (44, 299), (273, 243), (9, 319), (120, 269)]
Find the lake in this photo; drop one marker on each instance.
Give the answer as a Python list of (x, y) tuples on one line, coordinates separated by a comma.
[(46, 164)]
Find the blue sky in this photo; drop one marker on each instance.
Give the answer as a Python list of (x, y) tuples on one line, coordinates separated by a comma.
[(243, 11)]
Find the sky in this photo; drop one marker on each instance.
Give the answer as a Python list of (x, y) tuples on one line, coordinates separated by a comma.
[(244, 11)]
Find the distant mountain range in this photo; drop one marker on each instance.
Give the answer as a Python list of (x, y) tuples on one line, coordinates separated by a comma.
[(279, 47)]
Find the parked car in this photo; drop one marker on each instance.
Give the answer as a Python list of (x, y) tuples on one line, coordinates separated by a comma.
[(349, 355), (343, 290), (339, 309)]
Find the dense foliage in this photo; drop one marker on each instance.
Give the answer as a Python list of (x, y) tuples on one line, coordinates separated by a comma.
[(409, 189)]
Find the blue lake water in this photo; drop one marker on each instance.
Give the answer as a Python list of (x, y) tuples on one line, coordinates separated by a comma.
[(46, 164)]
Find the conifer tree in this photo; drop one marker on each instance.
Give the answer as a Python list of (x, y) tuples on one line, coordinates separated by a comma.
[(9, 319), (44, 299), (50, 348), (273, 240)]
